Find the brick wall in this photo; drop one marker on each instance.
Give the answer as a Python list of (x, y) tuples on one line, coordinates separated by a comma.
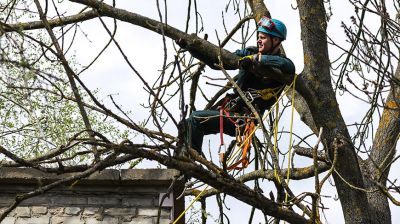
[(108, 197)]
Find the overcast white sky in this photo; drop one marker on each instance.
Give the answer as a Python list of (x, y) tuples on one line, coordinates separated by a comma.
[(111, 75)]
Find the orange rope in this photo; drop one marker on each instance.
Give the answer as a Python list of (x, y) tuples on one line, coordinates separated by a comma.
[(246, 146)]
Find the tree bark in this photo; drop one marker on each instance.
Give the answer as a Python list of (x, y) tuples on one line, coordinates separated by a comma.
[(326, 113), (377, 167)]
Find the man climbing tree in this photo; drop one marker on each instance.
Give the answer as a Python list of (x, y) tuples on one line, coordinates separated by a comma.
[(231, 113), (53, 120)]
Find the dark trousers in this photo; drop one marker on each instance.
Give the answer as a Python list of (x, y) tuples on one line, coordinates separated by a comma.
[(206, 122)]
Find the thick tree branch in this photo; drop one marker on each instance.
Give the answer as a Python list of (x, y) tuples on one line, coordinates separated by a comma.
[(221, 182), (199, 47), (295, 174), (62, 21), (386, 137), (259, 9), (308, 153), (376, 168)]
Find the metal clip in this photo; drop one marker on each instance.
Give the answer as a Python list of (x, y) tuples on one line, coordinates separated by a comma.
[(240, 122), (249, 96)]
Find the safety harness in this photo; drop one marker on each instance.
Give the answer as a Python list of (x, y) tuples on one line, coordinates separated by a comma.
[(244, 126)]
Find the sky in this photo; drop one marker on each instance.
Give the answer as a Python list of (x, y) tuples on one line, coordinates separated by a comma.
[(111, 75)]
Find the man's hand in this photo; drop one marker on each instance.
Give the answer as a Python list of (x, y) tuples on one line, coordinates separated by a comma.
[(247, 61)]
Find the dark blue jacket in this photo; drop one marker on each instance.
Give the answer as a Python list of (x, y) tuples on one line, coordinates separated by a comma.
[(247, 80)]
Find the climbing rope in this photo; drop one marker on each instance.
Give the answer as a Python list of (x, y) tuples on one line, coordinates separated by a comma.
[(290, 138), (191, 204), (247, 134)]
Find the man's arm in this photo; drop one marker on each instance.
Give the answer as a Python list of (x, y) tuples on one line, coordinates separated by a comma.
[(246, 51), (277, 61)]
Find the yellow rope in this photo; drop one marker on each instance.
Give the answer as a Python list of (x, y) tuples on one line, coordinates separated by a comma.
[(276, 141), (290, 137), (191, 204)]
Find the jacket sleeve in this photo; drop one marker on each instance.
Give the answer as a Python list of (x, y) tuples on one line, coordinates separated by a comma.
[(246, 51), (278, 61)]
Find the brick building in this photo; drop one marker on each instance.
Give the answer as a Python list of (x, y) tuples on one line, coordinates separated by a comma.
[(107, 197)]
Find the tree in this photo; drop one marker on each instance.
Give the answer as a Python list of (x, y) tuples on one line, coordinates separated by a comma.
[(38, 71)]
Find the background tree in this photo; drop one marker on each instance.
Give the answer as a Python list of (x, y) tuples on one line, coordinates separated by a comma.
[(53, 122)]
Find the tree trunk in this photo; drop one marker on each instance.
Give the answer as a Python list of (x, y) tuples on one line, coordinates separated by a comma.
[(383, 151), (326, 113)]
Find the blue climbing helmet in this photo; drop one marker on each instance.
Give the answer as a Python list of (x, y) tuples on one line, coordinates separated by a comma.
[(272, 27)]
